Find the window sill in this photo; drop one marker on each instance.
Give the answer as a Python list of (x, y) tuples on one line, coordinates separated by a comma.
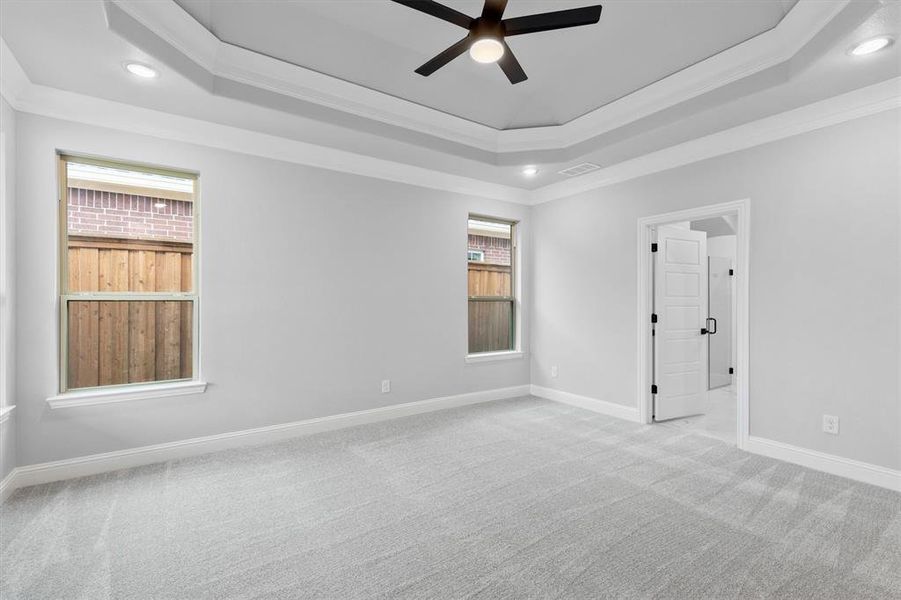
[(125, 393), (493, 356)]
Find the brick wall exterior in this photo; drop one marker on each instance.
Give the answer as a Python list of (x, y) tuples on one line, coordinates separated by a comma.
[(107, 214), (497, 250)]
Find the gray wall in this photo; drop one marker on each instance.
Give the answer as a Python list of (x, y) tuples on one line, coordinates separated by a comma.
[(824, 283), (296, 325), (330, 284), (7, 302)]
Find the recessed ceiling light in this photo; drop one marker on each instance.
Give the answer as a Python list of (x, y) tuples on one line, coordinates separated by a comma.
[(139, 70), (530, 171), (871, 45), (486, 50)]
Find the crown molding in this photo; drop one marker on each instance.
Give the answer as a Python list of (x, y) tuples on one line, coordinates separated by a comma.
[(51, 102), (25, 96), (219, 59), (13, 80), (771, 48), (859, 103)]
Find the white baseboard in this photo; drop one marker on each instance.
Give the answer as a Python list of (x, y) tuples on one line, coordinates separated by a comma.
[(133, 457), (145, 455), (7, 423), (829, 463), (6, 486), (629, 413)]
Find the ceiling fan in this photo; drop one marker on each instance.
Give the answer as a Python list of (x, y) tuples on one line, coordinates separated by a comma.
[(485, 40)]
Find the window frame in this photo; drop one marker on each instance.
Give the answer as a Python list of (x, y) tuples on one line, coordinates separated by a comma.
[(139, 389), (481, 253), (515, 351)]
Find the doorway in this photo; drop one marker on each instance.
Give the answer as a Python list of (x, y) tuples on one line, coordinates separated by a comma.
[(693, 320)]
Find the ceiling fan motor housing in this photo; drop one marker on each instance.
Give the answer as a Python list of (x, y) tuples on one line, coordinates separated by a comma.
[(491, 28), (481, 28)]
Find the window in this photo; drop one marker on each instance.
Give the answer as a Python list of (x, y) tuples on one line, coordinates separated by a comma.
[(476, 256), (128, 293), (492, 285)]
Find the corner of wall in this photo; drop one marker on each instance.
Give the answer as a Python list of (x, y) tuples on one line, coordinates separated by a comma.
[(8, 421)]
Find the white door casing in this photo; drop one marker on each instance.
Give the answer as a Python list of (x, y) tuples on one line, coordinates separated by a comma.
[(740, 211), (680, 302)]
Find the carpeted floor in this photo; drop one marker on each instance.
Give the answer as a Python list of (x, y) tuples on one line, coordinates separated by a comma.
[(719, 418), (516, 499)]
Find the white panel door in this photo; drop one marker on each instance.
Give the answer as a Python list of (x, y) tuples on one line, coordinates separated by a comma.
[(680, 301)]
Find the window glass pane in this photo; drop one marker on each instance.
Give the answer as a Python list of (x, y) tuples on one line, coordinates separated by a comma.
[(490, 240), (128, 230), (491, 286), (117, 342), (492, 273), (108, 266), (490, 325)]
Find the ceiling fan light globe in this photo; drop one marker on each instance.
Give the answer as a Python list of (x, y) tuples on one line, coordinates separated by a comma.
[(486, 50)]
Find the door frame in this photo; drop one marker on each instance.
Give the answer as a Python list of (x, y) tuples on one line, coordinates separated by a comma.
[(741, 210)]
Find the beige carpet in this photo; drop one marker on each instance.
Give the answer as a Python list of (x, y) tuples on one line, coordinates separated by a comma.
[(515, 499)]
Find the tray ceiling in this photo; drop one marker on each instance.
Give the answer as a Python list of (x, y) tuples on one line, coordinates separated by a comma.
[(803, 60), (377, 44)]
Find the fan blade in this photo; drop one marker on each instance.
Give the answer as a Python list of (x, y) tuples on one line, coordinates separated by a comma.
[(445, 57), (511, 67), (493, 10), (575, 17), (440, 11)]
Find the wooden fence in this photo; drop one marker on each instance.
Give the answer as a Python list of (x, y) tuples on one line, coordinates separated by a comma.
[(115, 342), (490, 321)]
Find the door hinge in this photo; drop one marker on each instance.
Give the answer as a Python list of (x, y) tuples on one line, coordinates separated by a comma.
[(731, 371), (731, 271), (654, 247), (654, 388), (653, 317)]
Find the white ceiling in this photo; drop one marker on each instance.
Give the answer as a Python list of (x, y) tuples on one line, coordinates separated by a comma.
[(715, 226), (378, 44), (71, 46)]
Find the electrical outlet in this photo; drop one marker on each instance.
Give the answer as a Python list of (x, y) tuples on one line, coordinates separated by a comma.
[(554, 371), (386, 386), (830, 424)]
